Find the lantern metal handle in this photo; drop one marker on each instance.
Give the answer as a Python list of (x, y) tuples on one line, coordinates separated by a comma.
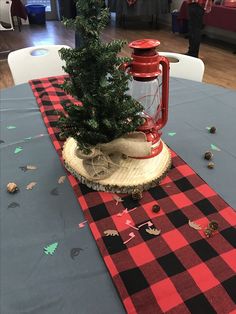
[(125, 66), (165, 92)]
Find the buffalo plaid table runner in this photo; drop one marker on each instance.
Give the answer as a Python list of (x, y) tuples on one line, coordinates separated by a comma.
[(178, 271)]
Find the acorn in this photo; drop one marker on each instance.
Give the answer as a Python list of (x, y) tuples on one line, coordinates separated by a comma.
[(12, 187), (156, 208), (208, 233), (212, 130), (137, 194), (211, 165), (213, 225), (62, 136), (208, 155)]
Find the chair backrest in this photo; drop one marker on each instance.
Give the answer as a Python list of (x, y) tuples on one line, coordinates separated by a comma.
[(35, 62), (5, 15), (184, 66)]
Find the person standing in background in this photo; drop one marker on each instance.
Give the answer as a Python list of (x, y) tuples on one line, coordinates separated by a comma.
[(68, 10), (196, 10)]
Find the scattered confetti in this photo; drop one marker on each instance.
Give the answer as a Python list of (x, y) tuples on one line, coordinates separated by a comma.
[(18, 150), (13, 205), (61, 179), (50, 249), (31, 167), (193, 225), (11, 127), (125, 211), (40, 135), (131, 236), (82, 224), (31, 185), (117, 199), (149, 223), (171, 133), (54, 192), (75, 252), (153, 231), (28, 167), (110, 232), (215, 147), (128, 222)]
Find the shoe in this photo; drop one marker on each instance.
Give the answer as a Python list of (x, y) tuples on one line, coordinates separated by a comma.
[(191, 55)]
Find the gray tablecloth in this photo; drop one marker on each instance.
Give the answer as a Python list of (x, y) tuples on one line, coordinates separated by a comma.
[(35, 283)]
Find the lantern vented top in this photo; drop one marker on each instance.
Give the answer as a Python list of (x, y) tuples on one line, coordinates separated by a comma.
[(144, 43)]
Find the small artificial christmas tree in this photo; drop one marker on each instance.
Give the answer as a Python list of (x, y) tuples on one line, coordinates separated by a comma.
[(95, 78)]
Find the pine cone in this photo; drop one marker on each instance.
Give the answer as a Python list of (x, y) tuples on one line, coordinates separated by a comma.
[(208, 233), (208, 155), (211, 165), (137, 194), (213, 225), (212, 130)]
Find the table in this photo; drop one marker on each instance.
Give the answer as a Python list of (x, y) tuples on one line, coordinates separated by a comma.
[(32, 282), (220, 16)]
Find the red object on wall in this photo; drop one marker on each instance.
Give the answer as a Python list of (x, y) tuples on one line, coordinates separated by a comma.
[(220, 16), (230, 3)]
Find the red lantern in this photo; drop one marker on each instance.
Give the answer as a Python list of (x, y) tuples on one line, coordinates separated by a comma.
[(150, 86)]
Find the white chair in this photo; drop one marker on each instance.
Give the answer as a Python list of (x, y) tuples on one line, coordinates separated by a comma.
[(35, 62), (5, 15), (184, 66)]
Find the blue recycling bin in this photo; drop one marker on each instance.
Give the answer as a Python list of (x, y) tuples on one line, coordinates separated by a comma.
[(36, 13)]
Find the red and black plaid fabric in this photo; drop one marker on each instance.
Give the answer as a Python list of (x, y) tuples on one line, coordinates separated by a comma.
[(178, 271)]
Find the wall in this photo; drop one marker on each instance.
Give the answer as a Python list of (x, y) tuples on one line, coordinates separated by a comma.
[(211, 32)]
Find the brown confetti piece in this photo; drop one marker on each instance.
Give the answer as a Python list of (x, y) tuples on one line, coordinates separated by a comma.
[(61, 179), (54, 192), (153, 231), (75, 252), (110, 232), (31, 185), (13, 205), (194, 225)]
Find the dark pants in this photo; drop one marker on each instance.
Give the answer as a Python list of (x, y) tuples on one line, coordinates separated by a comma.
[(196, 13)]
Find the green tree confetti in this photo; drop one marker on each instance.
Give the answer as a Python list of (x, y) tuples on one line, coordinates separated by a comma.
[(50, 249)]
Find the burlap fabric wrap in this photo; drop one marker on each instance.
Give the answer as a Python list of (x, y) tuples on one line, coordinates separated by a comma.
[(104, 159)]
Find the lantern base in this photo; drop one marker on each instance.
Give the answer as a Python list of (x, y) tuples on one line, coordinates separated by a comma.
[(132, 174)]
